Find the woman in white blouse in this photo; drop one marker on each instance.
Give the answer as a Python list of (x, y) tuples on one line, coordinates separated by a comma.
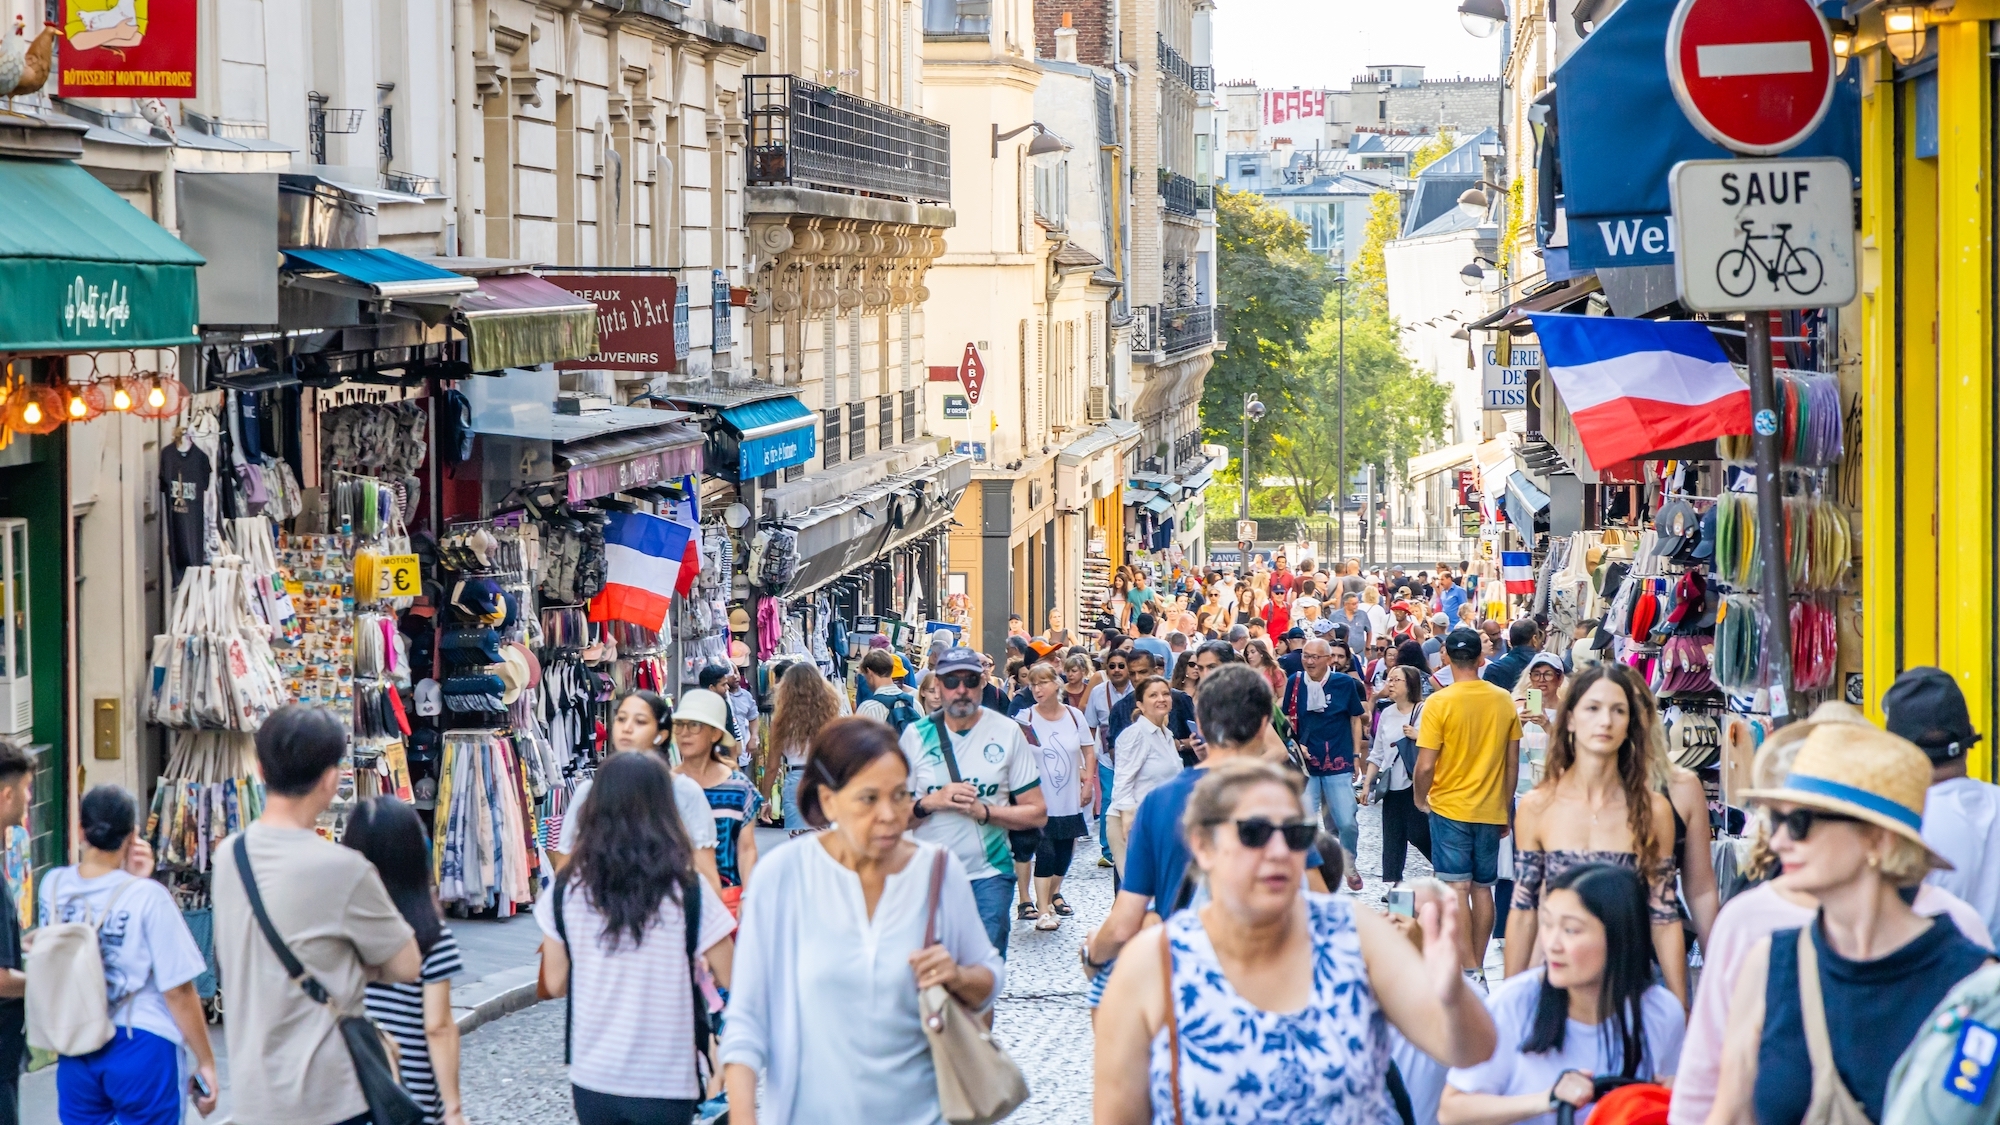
[(1402, 824), (1144, 759), (831, 955)]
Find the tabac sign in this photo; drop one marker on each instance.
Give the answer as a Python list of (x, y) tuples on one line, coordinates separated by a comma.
[(972, 373)]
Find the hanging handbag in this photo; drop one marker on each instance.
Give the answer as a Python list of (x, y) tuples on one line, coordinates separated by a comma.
[(370, 1048), (977, 1083)]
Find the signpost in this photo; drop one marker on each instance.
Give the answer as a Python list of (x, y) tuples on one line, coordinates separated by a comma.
[(1756, 76), (972, 373)]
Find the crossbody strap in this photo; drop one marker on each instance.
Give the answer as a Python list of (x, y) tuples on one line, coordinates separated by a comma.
[(1812, 1008), (569, 960), (931, 901), (293, 969), (1173, 1022), (946, 750)]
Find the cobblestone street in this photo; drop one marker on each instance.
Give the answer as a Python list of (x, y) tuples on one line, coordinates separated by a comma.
[(514, 1074)]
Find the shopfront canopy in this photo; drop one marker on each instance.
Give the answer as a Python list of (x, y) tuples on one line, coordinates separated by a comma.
[(839, 538), (519, 320), (84, 269), (629, 459), (771, 434), (373, 272), (1619, 131)]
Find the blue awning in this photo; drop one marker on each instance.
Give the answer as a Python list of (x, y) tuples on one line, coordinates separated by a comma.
[(385, 272), (772, 434), (1619, 131), (1159, 506), (1524, 502)]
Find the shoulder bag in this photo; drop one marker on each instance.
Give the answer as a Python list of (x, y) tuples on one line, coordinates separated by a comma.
[(1832, 1103), (977, 1083), (370, 1048)]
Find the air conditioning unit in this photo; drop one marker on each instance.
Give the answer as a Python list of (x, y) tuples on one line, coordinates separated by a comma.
[(1097, 404)]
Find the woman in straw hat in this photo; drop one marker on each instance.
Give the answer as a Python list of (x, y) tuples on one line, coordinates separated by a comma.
[(1839, 998)]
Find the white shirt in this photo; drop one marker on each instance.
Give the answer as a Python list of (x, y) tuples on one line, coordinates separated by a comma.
[(997, 760), (146, 945), (1097, 708), (696, 817), (1062, 758), (1145, 760), (1382, 754), (1512, 1071), (822, 1004), (633, 1031), (1962, 824)]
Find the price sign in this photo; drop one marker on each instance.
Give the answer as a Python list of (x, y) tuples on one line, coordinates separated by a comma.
[(400, 577)]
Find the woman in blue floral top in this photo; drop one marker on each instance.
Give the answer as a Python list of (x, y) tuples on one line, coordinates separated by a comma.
[(1272, 1003), (708, 755)]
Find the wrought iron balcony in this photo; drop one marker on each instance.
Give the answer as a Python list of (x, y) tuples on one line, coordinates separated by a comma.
[(1178, 191), (816, 136), (1171, 62), (1186, 327)]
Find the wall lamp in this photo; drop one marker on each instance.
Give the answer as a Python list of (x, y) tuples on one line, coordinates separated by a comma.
[(1477, 203), (1045, 142), (1482, 17)]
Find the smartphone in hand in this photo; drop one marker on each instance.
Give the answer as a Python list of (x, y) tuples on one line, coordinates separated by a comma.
[(1534, 701), (1403, 901)]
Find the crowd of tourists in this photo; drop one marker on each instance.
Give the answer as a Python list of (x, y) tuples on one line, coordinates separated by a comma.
[(1581, 945)]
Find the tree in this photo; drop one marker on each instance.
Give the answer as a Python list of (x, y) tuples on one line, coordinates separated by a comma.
[(1428, 153), (1272, 287), (1370, 274)]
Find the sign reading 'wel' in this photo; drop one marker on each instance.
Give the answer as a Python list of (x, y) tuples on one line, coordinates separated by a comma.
[(1764, 234)]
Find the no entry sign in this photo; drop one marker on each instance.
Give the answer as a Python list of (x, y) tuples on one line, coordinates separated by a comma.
[(1755, 76)]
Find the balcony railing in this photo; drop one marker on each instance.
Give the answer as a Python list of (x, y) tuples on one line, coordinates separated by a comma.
[(1179, 193), (816, 136), (1204, 197), (1186, 327), (1171, 62), (1203, 78)]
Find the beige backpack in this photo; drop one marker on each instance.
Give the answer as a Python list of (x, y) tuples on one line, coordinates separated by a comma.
[(68, 999)]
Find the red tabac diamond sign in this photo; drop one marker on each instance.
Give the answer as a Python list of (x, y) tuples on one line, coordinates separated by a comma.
[(972, 373)]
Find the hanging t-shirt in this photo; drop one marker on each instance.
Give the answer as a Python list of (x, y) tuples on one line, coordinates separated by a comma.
[(997, 760), (1062, 758), (184, 480), (146, 945)]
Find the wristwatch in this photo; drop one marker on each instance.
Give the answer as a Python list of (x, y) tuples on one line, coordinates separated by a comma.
[(918, 810)]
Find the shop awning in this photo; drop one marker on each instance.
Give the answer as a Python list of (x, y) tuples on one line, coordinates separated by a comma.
[(1159, 506), (1426, 465), (600, 466), (519, 320), (1541, 300), (1115, 432), (382, 273), (85, 270), (771, 434), (836, 539), (1524, 502), (1135, 495)]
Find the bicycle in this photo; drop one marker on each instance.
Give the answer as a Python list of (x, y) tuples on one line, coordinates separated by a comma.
[(1737, 271)]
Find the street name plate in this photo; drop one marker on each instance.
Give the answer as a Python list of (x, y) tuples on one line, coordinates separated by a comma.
[(1763, 234)]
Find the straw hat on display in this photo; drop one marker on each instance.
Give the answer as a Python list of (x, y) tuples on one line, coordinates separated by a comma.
[(1860, 772)]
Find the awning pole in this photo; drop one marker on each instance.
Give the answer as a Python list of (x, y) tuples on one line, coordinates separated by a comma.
[(1776, 583)]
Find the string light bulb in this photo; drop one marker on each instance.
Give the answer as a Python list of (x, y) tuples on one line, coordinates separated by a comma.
[(32, 413), (156, 397), (121, 399)]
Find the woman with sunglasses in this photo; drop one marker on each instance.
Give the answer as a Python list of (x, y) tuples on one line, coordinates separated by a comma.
[(1268, 998), (1867, 971), (1591, 1009)]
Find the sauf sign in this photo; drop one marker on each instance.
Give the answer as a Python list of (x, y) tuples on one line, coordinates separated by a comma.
[(1506, 387)]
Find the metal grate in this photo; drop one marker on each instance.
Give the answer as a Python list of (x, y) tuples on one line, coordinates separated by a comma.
[(909, 416), (817, 136), (829, 442), (1186, 327), (1178, 192), (385, 135), (1107, 121), (1171, 63), (723, 331), (886, 420), (857, 430)]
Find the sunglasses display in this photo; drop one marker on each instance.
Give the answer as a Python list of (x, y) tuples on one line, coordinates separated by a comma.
[(1255, 832), (1798, 822)]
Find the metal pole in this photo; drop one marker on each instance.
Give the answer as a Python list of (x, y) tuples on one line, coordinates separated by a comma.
[(1244, 467), (1340, 456), (1776, 582), (1388, 526)]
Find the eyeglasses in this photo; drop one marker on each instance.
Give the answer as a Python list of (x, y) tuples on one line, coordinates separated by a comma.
[(1798, 823), (1255, 832), (960, 681)]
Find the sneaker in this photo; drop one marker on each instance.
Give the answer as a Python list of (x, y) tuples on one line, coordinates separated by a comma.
[(1104, 861)]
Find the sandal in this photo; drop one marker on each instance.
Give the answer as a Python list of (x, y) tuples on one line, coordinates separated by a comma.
[(1026, 911), (1049, 922), (1057, 904)]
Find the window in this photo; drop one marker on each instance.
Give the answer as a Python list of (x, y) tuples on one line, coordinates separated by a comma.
[(794, 472), (1382, 110), (829, 440), (909, 416), (723, 332), (857, 430), (768, 480), (886, 419)]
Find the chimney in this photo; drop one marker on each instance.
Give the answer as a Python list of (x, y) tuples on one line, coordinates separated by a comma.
[(1066, 41)]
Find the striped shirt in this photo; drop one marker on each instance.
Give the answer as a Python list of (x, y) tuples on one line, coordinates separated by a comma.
[(399, 1010)]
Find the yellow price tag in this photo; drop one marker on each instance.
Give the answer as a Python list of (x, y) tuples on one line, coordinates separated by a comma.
[(399, 577)]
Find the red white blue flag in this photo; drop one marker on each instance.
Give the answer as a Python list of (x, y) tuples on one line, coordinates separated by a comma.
[(642, 564), (1634, 387), (1517, 569)]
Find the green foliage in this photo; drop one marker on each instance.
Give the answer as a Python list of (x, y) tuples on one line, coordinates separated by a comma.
[(1370, 274), (1430, 151), (1271, 288)]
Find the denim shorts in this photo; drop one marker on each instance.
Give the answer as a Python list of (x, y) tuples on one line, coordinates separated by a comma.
[(1463, 852)]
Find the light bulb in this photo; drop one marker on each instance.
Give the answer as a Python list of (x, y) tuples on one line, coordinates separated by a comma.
[(32, 414), (157, 397), (121, 399), (77, 409)]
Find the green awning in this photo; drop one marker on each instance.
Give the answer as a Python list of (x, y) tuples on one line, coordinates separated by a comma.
[(85, 270)]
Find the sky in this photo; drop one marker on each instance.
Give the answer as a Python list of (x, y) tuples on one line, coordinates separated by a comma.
[(1325, 43)]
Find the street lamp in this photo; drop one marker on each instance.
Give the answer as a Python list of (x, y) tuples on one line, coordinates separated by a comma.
[(1903, 30), (1475, 202), (1340, 442), (1482, 17), (1045, 141), (1253, 411)]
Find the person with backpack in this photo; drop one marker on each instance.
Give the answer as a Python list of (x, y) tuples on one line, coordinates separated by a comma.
[(887, 700), (115, 951), (416, 1014), (1069, 763), (627, 929), (708, 756)]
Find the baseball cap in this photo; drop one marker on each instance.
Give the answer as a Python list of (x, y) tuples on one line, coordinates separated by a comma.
[(1440, 620), (878, 641), (1400, 607), (714, 674), (1295, 634), (1463, 644), (1926, 706), (960, 659)]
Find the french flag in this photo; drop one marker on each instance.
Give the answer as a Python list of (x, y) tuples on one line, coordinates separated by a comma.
[(1517, 569), (1637, 386), (642, 563)]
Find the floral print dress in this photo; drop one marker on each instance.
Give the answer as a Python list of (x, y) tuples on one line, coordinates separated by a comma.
[(1326, 1064)]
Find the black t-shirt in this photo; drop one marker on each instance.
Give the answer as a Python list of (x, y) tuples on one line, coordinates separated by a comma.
[(184, 480), (13, 1013)]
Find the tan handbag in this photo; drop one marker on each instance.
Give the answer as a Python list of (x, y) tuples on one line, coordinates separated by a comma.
[(1831, 1103), (977, 1083)]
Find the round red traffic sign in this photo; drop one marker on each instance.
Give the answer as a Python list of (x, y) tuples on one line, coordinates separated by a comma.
[(1755, 76)]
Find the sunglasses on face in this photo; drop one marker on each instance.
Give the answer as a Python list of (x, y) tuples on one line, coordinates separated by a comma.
[(960, 681), (1798, 823), (1255, 832)]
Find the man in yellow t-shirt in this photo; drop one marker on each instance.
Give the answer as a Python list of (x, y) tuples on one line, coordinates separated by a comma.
[(1468, 761)]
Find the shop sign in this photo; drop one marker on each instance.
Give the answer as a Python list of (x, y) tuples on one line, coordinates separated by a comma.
[(976, 448), (957, 406), (972, 372), (866, 623), (777, 451), (635, 320), (590, 481), (1506, 385), (1468, 524), (141, 49), (1764, 234), (400, 577), (1468, 488)]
